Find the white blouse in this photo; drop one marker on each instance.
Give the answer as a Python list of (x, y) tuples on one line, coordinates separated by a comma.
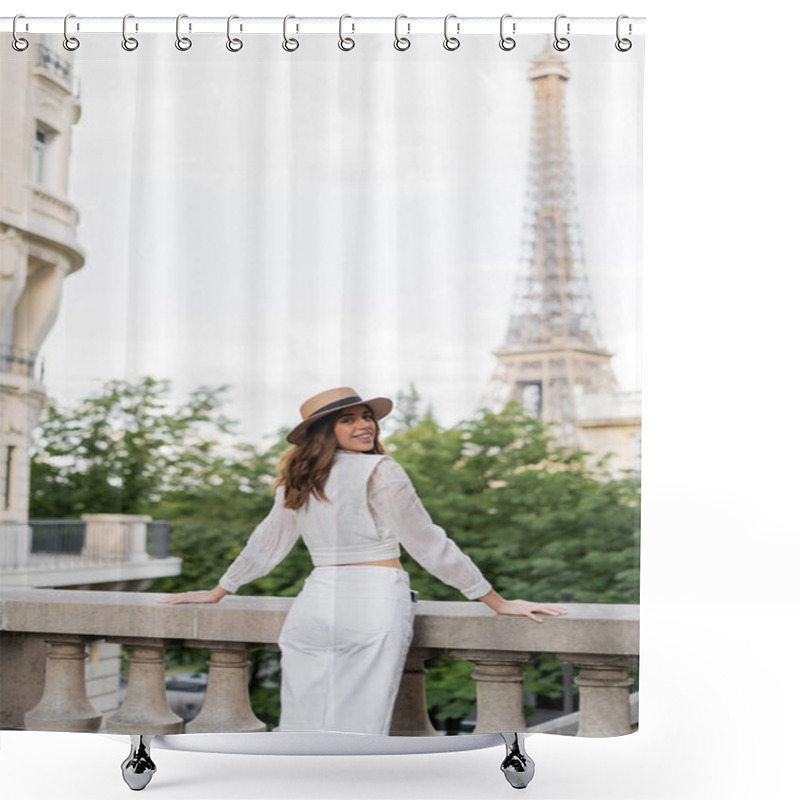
[(372, 509)]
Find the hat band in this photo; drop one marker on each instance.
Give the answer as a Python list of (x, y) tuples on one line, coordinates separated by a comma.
[(348, 401)]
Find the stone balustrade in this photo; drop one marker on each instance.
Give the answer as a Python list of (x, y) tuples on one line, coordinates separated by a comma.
[(119, 551), (45, 633)]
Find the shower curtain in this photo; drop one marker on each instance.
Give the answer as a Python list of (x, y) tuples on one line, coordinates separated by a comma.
[(196, 239)]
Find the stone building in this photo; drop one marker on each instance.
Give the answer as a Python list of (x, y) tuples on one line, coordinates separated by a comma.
[(38, 249), (39, 105)]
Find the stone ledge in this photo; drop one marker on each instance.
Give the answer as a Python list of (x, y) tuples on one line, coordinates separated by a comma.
[(586, 629), (75, 570)]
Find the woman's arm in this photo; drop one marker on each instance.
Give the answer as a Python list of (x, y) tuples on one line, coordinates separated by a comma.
[(267, 546), (395, 502)]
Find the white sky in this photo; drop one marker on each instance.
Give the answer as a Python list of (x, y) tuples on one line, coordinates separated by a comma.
[(286, 222)]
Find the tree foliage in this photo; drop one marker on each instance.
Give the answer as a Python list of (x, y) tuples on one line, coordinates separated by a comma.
[(536, 518), (122, 449)]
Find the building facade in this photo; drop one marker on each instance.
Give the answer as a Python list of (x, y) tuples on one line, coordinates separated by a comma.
[(39, 105), (38, 249)]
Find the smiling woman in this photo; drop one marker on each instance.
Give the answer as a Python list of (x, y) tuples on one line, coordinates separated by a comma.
[(345, 639), (355, 429)]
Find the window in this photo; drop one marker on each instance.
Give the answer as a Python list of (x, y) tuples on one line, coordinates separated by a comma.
[(7, 488), (43, 166)]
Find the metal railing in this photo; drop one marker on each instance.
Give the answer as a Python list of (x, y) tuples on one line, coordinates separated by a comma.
[(16, 360), (57, 536), (158, 532)]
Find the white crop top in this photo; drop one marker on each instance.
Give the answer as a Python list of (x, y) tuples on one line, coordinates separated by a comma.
[(372, 509)]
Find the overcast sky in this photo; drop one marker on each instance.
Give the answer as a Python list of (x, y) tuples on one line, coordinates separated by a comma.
[(283, 223)]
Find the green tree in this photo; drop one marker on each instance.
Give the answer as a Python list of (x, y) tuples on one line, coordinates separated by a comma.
[(536, 518), (123, 448)]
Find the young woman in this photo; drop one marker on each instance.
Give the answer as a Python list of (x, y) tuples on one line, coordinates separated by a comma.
[(344, 642)]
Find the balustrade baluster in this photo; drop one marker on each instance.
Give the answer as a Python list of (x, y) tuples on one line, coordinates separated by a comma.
[(64, 705), (604, 683), (410, 716), (498, 680), (227, 703), (145, 709)]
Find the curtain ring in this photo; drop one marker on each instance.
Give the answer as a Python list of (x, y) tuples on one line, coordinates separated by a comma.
[(401, 42), (289, 45), (18, 42), (451, 42), (345, 42), (506, 42), (70, 42), (234, 45), (623, 45), (183, 43), (129, 43), (561, 43)]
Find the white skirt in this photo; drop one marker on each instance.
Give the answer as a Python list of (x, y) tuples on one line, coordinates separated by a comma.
[(343, 649)]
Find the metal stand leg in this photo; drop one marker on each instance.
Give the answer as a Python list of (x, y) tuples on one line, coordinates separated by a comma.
[(138, 768), (517, 766)]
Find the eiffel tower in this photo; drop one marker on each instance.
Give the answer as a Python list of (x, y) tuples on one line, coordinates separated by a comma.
[(552, 359)]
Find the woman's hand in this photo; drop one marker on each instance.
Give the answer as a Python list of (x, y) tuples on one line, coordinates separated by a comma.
[(525, 608), (521, 608), (205, 596)]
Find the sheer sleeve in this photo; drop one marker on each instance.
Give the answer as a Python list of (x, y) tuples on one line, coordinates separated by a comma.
[(267, 546), (395, 504)]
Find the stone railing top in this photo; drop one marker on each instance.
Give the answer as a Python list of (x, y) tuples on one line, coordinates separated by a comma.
[(586, 628)]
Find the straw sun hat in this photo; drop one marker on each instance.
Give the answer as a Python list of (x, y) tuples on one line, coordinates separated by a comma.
[(330, 401)]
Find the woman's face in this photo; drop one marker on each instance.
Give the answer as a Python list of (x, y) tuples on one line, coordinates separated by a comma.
[(355, 429)]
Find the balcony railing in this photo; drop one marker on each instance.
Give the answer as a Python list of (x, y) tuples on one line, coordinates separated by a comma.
[(45, 634), (99, 538), (93, 539), (17, 361), (54, 63)]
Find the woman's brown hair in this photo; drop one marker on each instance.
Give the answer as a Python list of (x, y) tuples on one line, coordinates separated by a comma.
[(304, 468)]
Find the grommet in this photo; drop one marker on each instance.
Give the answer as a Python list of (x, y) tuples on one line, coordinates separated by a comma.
[(623, 45), (561, 43), (234, 45), (451, 42), (129, 43), (183, 43), (289, 45), (18, 42), (506, 42), (71, 43), (346, 43), (401, 42)]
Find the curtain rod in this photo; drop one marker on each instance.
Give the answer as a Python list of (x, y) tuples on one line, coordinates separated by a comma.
[(460, 26)]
